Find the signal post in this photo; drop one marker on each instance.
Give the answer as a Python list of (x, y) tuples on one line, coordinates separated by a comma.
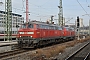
[(78, 26)]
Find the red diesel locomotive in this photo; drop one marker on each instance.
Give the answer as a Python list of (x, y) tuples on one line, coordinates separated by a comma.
[(33, 34)]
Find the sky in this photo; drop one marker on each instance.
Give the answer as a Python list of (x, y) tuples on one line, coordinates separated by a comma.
[(41, 10)]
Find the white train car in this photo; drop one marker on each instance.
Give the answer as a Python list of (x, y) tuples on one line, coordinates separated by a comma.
[(2, 31)]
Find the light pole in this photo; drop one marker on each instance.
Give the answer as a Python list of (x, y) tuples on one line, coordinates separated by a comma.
[(89, 26), (89, 21), (78, 26)]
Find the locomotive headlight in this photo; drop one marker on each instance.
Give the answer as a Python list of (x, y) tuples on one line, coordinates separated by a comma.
[(31, 36), (20, 36), (30, 32), (21, 32)]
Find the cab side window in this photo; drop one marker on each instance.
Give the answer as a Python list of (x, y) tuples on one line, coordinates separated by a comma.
[(37, 26), (30, 26)]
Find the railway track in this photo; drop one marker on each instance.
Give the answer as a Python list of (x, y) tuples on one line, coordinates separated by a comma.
[(81, 54), (11, 53)]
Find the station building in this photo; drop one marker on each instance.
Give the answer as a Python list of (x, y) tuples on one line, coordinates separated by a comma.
[(17, 19)]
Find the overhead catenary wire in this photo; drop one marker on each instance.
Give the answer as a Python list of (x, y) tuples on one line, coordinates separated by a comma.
[(34, 13), (46, 10), (82, 6), (24, 11), (41, 7), (23, 7)]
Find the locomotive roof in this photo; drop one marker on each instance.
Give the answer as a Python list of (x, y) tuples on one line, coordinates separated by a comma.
[(42, 23), (69, 28)]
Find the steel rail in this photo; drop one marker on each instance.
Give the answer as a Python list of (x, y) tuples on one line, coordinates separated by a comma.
[(70, 56), (87, 56), (10, 53)]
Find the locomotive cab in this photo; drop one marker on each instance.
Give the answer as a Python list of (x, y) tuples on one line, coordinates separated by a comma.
[(26, 34), (26, 30)]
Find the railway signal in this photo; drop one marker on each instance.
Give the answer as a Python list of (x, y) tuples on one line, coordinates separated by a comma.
[(78, 26), (78, 22)]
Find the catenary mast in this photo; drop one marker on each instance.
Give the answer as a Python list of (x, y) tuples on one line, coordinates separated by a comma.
[(8, 19), (27, 16), (60, 15)]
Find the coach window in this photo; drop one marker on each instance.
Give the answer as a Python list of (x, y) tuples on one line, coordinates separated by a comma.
[(23, 26), (72, 29), (43, 27), (37, 26), (59, 28), (53, 27), (47, 27), (40, 26), (67, 28), (56, 28), (30, 26), (50, 27)]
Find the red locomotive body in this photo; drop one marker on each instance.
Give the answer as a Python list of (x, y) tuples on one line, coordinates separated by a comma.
[(34, 34), (69, 33)]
